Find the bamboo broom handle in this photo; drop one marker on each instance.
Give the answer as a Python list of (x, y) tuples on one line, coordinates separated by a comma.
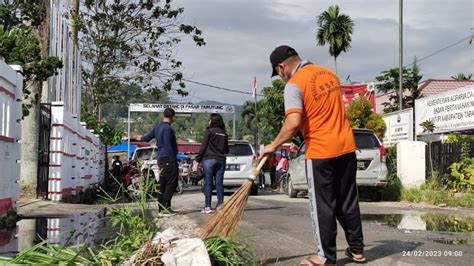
[(256, 171)]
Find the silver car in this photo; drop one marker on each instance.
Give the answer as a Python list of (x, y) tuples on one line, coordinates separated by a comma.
[(372, 170), (240, 162)]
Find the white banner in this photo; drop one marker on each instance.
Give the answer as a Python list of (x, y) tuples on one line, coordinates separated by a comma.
[(181, 108), (399, 126), (449, 111)]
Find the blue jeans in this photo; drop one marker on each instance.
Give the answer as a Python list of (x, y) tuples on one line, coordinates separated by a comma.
[(213, 169)]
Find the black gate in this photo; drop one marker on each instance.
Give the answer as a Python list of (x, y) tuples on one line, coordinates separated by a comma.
[(43, 149)]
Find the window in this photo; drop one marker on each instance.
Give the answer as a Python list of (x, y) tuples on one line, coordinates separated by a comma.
[(240, 150), (365, 140), (146, 154)]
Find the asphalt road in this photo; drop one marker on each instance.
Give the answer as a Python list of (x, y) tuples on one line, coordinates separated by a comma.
[(278, 230)]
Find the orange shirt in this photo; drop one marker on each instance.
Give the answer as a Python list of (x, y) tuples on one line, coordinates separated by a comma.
[(315, 92)]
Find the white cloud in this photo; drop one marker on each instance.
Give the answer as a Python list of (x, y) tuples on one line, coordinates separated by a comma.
[(240, 34)]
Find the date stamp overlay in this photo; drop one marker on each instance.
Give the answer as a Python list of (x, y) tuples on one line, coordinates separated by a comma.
[(432, 253)]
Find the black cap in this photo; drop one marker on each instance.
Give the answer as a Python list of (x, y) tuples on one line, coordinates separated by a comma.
[(169, 112), (280, 54)]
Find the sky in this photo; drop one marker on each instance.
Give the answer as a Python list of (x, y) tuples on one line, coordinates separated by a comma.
[(240, 35)]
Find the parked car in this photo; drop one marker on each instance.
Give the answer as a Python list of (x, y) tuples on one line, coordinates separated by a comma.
[(372, 170), (240, 162)]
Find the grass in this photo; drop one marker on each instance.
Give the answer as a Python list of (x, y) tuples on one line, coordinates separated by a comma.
[(134, 229), (226, 252), (437, 197)]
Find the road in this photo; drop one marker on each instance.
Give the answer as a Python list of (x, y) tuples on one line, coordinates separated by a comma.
[(278, 230)]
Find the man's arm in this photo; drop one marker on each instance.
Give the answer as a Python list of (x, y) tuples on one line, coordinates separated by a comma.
[(149, 136), (288, 130)]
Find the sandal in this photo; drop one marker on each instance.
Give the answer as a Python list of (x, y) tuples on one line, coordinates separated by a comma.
[(351, 256), (310, 262)]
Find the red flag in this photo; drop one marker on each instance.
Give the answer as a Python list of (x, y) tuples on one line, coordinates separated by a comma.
[(254, 87)]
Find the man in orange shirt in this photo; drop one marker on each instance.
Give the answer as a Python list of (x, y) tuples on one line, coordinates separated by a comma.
[(314, 105)]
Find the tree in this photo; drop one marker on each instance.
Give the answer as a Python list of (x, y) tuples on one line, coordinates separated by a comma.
[(271, 111), (429, 127), (462, 76), (388, 83), (132, 43), (335, 29), (360, 115)]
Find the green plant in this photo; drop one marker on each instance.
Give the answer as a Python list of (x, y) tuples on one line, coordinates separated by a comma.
[(393, 189), (223, 251), (360, 115), (335, 29), (462, 175)]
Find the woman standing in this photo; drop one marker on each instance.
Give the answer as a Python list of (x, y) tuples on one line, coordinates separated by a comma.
[(212, 154)]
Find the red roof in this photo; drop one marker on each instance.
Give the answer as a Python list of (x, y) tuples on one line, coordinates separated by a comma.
[(436, 86)]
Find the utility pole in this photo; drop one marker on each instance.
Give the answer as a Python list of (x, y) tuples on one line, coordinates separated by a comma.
[(400, 81)]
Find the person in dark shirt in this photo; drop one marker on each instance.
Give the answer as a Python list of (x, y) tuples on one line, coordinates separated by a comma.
[(117, 168), (212, 154), (167, 162)]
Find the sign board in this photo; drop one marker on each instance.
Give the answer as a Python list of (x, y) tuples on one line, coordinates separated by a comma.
[(449, 111), (399, 126), (352, 92), (181, 108)]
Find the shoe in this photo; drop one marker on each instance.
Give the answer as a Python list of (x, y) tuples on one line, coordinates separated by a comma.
[(220, 207), (357, 258), (207, 210), (311, 261), (168, 211)]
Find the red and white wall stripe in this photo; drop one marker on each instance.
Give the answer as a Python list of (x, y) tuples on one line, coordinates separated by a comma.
[(11, 93), (77, 157)]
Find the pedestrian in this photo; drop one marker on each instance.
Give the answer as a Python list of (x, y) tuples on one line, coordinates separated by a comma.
[(272, 164), (186, 170), (313, 103), (167, 162), (117, 168), (281, 169), (212, 155)]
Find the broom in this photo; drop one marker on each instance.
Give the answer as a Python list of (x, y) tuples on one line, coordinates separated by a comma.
[(224, 222)]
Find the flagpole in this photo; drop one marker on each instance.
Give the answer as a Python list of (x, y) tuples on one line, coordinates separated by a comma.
[(256, 117)]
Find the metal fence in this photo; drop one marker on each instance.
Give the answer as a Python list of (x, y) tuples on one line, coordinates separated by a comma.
[(443, 155)]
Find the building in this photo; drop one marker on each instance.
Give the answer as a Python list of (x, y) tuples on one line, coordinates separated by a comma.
[(428, 87)]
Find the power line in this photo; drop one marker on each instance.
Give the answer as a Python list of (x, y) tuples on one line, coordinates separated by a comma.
[(440, 50), (218, 87)]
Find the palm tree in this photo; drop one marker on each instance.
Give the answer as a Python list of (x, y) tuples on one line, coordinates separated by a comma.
[(335, 29), (462, 76)]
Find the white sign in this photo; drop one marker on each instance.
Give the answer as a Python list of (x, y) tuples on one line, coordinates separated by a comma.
[(181, 108), (449, 111), (399, 126)]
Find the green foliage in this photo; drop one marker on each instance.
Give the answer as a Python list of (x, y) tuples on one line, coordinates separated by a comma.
[(108, 133), (462, 175), (393, 189), (388, 83), (224, 251), (428, 126), (271, 112), (360, 115), (131, 43), (334, 29), (19, 45), (462, 76), (437, 197)]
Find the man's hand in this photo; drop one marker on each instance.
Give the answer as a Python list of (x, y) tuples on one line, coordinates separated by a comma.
[(267, 150), (137, 137)]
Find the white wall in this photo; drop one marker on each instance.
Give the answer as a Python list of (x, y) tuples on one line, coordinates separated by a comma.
[(411, 164), (77, 157), (11, 93)]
